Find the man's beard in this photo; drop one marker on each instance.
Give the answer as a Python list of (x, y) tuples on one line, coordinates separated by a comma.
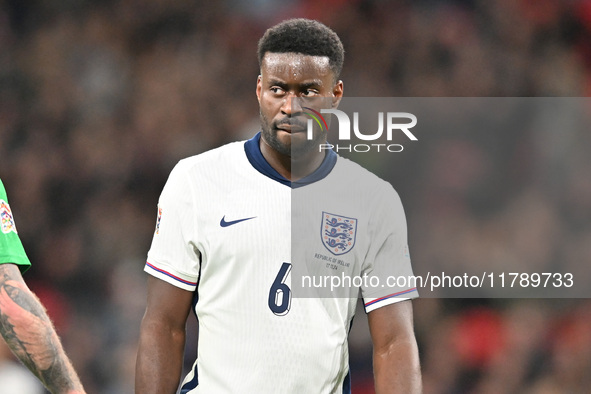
[(300, 148)]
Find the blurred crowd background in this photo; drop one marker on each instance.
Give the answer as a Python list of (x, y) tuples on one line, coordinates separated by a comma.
[(100, 98)]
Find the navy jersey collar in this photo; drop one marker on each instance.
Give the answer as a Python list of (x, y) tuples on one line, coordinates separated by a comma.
[(255, 157)]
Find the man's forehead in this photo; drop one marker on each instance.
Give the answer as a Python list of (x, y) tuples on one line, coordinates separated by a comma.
[(295, 63)]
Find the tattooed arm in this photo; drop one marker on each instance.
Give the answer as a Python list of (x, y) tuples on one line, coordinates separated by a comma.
[(29, 333)]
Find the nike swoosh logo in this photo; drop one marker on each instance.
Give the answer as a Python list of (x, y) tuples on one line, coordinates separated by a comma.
[(223, 222)]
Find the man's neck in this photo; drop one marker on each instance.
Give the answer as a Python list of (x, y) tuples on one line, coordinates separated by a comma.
[(289, 167)]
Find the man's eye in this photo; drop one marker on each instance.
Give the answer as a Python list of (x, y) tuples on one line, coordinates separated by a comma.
[(310, 93), (276, 90)]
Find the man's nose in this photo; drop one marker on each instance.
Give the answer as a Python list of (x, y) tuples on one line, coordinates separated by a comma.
[(291, 105)]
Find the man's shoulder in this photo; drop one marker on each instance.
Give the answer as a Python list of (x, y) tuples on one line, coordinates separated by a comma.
[(2, 191), (223, 158), (358, 174), (209, 166)]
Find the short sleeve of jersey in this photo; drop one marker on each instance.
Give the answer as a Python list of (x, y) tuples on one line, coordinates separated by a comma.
[(11, 248), (388, 257), (173, 256)]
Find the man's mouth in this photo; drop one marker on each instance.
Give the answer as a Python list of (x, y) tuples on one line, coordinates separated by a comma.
[(291, 127)]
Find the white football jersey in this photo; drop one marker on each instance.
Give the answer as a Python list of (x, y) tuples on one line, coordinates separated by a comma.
[(242, 237)]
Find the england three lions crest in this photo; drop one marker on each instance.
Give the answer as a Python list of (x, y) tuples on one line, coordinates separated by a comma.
[(338, 233)]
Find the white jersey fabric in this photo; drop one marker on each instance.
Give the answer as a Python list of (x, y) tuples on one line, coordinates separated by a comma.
[(224, 231)]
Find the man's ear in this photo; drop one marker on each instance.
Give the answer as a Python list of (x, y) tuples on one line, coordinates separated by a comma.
[(259, 87), (337, 93)]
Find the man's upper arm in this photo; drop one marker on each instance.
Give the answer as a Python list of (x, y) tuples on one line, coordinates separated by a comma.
[(167, 303), (11, 272), (396, 356), (162, 338), (391, 322)]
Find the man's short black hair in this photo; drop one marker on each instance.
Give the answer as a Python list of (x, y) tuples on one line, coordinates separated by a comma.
[(304, 36)]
